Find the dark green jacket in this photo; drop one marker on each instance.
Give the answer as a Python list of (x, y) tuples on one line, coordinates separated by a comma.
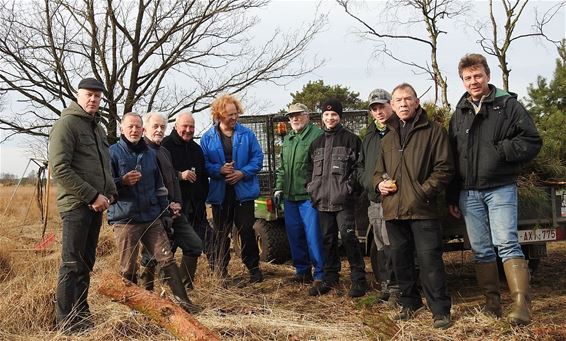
[(294, 173), (79, 159), (422, 167), (369, 154)]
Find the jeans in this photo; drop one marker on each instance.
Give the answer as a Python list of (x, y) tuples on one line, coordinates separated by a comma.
[(491, 221), (81, 227), (241, 215), (341, 222), (184, 237), (424, 237), (305, 237)]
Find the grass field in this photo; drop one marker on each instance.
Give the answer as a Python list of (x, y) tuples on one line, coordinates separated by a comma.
[(271, 310)]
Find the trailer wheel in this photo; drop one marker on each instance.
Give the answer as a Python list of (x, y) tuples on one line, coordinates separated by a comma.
[(272, 241)]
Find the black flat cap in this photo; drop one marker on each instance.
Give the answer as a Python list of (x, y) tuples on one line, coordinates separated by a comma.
[(91, 84)]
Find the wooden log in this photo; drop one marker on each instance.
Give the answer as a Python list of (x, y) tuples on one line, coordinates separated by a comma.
[(163, 311)]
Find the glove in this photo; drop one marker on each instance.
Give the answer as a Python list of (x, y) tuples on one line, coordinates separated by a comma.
[(167, 222), (277, 196)]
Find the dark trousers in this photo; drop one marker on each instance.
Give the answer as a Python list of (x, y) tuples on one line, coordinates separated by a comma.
[(341, 222), (241, 215), (81, 228), (184, 237), (196, 215), (424, 237)]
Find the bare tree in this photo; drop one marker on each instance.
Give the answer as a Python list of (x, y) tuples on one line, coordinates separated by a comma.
[(496, 39), (165, 55), (428, 14)]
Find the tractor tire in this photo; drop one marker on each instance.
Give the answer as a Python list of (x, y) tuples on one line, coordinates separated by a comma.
[(272, 241)]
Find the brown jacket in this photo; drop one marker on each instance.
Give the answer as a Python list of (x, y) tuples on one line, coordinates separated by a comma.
[(423, 167)]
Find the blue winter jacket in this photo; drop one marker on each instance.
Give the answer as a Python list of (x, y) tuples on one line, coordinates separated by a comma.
[(144, 201), (248, 157)]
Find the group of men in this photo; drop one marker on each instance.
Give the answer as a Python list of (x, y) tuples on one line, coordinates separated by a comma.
[(154, 188), (404, 163)]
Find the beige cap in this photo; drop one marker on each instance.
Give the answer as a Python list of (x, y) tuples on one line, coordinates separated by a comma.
[(296, 108)]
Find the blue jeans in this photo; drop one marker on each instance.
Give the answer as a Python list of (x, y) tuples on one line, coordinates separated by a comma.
[(305, 237), (81, 228), (491, 221)]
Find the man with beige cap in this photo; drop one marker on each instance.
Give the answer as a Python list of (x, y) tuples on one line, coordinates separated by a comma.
[(301, 218)]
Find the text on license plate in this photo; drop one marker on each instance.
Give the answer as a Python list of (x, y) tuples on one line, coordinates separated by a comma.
[(538, 235)]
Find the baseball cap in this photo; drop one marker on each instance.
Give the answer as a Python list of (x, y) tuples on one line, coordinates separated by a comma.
[(296, 108), (379, 96)]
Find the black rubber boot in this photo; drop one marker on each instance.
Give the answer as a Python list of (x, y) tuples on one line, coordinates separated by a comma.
[(172, 278), (187, 270), (147, 277)]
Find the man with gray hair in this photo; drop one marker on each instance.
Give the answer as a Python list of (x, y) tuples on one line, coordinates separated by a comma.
[(80, 163), (142, 201), (188, 161), (183, 234), (301, 218)]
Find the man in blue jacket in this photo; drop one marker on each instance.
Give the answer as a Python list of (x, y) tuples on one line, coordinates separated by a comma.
[(142, 200), (492, 136), (233, 157)]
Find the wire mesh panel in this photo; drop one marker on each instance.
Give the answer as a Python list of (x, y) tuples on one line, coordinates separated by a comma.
[(265, 126)]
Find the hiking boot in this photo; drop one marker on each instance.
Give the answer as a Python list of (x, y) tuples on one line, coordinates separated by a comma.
[(407, 313), (442, 321), (256, 276), (187, 270), (300, 278), (358, 289), (147, 278), (319, 288)]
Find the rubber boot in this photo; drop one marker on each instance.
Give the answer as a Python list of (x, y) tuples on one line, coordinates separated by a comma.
[(172, 278), (147, 277), (517, 274), (487, 276), (187, 270)]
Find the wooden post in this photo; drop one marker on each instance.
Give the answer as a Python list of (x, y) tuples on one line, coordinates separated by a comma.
[(166, 313)]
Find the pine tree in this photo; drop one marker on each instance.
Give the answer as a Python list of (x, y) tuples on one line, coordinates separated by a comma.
[(547, 104)]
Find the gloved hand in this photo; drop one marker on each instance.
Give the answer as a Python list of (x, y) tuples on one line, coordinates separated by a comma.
[(277, 196), (167, 222)]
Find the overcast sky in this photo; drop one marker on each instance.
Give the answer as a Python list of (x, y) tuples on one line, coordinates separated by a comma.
[(351, 63)]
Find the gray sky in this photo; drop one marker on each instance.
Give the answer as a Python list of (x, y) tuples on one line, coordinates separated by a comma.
[(351, 63)]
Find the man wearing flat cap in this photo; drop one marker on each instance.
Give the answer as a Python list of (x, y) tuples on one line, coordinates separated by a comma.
[(301, 218), (333, 189), (80, 163)]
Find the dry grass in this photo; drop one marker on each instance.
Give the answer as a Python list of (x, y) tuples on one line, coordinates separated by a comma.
[(270, 310)]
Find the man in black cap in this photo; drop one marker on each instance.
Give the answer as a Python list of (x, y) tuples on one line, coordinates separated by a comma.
[(333, 189), (80, 164)]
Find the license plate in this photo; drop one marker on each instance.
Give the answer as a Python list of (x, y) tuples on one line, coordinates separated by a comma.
[(538, 235)]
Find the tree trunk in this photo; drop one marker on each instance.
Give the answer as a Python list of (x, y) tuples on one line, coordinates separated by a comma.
[(167, 314)]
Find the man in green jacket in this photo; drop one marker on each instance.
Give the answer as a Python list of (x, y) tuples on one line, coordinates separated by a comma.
[(301, 218), (80, 164), (380, 110), (415, 166)]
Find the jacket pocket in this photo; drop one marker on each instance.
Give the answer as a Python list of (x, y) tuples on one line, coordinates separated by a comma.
[(318, 164), (338, 164)]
